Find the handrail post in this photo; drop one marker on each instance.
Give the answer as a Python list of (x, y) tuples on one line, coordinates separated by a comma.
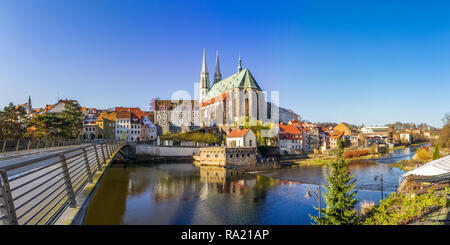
[(8, 202), (88, 168), (108, 151), (98, 159), (103, 153), (67, 181), (111, 150)]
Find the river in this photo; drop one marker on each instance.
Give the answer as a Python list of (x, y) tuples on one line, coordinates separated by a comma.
[(181, 193)]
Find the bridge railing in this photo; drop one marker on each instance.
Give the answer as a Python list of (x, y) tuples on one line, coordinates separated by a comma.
[(9, 145), (38, 191)]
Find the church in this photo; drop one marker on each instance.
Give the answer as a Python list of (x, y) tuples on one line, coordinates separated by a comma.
[(231, 101)]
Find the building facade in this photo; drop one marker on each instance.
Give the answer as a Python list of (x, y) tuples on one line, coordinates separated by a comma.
[(241, 138), (290, 139)]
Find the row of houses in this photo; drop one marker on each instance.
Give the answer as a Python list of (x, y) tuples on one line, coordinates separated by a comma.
[(125, 123), (298, 137)]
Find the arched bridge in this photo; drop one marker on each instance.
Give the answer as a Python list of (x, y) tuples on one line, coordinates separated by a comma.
[(39, 189)]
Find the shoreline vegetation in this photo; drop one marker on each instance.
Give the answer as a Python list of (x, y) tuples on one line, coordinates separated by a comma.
[(406, 165), (415, 202), (423, 156), (406, 208), (327, 160)]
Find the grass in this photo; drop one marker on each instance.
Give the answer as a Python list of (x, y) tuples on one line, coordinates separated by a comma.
[(406, 165), (313, 162), (399, 147), (366, 157)]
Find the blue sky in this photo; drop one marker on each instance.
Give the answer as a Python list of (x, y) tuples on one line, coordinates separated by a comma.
[(370, 62)]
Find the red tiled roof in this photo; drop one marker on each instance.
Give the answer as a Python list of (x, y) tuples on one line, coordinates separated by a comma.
[(337, 134), (123, 114), (221, 97), (237, 133), (48, 107), (135, 110), (289, 129)]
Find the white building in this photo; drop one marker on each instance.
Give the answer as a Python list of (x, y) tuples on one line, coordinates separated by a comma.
[(290, 139), (241, 138), (374, 129), (405, 137), (90, 129), (128, 126), (148, 132)]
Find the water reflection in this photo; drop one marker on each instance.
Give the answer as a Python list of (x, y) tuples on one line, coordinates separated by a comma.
[(185, 194)]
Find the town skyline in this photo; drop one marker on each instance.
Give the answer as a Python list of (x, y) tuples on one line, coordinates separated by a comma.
[(387, 66)]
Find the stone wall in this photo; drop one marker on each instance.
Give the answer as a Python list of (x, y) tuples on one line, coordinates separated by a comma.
[(227, 156), (241, 156), (170, 153)]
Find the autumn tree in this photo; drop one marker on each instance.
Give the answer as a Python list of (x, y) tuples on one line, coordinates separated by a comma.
[(72, 120), (12, 127), (444, 135)]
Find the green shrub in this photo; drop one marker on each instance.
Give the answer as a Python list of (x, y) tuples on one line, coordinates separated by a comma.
[(400, 209)]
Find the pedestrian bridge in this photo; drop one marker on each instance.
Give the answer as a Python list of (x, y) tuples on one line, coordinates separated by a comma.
[(52, 185)]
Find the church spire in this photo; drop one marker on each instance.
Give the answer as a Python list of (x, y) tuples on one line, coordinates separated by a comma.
[(204, 78), (217, 74), (204, 75), (239, 65), (29, 103)]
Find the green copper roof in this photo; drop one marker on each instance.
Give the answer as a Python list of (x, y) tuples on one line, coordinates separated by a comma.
[(242, 79)]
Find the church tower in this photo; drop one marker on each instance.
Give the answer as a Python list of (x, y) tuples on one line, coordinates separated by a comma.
[(217, 74), (239, 65), (29, 106), (204, 78)]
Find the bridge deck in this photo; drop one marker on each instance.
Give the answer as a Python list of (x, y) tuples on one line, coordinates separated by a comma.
[(38, 188)]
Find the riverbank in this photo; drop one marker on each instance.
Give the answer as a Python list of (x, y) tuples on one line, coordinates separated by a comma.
[(416, 202), (319, 161), (406, 165), (411, 164)]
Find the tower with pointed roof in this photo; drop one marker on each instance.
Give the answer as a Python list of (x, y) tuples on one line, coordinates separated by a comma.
[(217, 74), (240, 64), (29, 106), (204, 78)]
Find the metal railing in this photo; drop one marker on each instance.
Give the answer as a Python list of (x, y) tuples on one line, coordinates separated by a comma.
[(37, 191), (9, 145)]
